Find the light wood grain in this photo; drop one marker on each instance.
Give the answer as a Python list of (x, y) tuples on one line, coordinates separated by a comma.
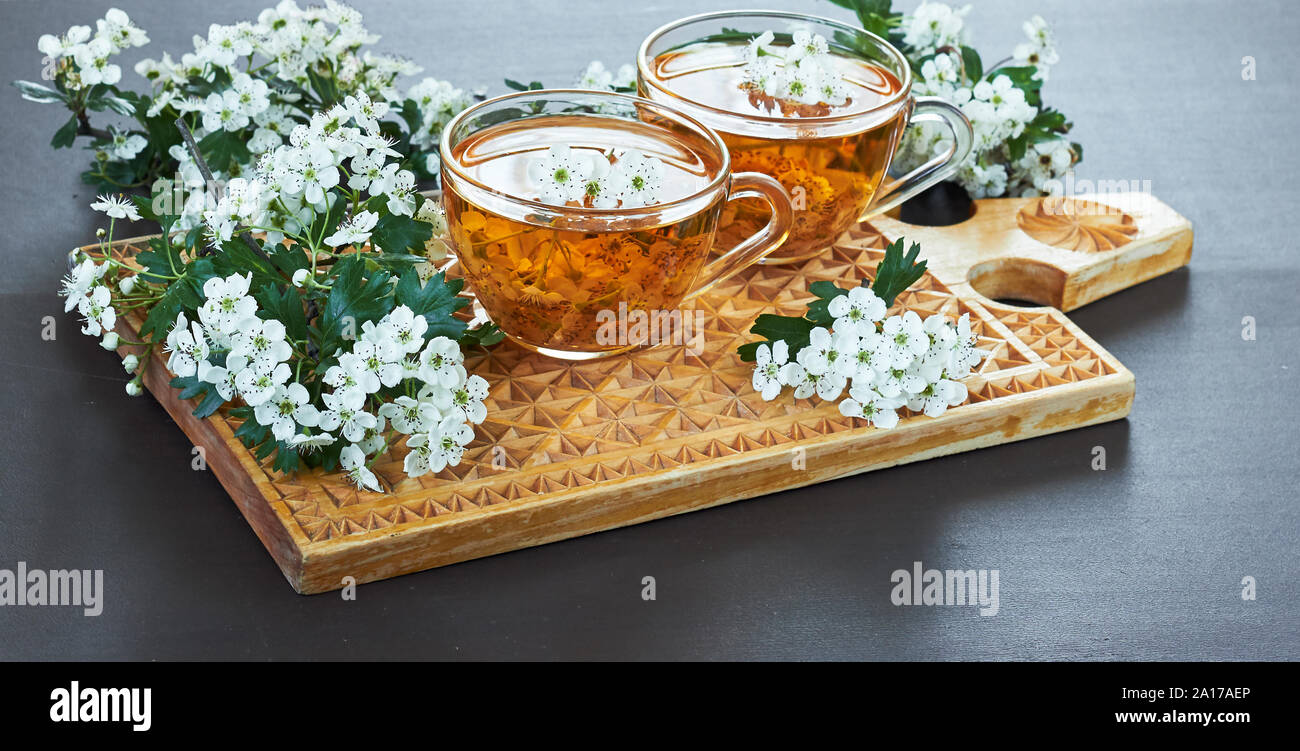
[(1064, 253)]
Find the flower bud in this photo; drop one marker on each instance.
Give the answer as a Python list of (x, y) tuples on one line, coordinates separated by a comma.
[(126, 284), (110, 341), (130, 363), (299, 277), (133, 387)]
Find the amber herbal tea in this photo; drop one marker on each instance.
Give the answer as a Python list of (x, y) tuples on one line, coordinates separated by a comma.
[(580, 231), (551, 280), (829, 179), (816, 104)]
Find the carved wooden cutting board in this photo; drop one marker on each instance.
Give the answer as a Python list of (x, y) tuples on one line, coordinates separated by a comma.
[(1062, 252), (573, 448)]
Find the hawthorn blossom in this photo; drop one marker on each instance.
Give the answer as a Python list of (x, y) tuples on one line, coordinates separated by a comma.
[(227, 305), (767, 371), (288, 407), (559, 176), (355, 230), (353, 461), (188, 347), (116, 207), (344, 410), (257, 385), (867, 404)]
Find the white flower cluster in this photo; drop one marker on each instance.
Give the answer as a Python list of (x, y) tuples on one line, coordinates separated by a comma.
[(804, 72), (288, 41), (246, 357), (436, 420), (997, 109), (439, 102), (885, 362), (85, 290), (292, 40), (293, 182), (564, 176), (934, 26), (1040, 50), (86, 57), (596, 77)]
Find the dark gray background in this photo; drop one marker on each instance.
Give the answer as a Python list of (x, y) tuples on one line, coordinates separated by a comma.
[(1141, 561)]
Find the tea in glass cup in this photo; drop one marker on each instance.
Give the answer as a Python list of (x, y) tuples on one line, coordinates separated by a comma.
[(816, 104), (567, 209)]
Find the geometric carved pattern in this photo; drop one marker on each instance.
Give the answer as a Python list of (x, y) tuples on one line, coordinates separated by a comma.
[(554, 427)]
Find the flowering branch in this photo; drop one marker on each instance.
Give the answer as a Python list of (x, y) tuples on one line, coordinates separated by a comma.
[(846, 341), (301, 297)]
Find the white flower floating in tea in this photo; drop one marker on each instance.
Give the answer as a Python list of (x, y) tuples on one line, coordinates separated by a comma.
[(602, 180), (804, 72), (848, 342)]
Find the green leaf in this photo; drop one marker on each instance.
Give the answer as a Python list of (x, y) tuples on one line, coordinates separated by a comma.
[(185, 294), (819, 309), (223, 148), (283, 305), (1022, 77), (790, 329), (781, 327), (1016, 147), (897, 272), (353, 300), (325, 87), (531, 86), (191, 387), (970, 60), (162, 315), (144, 205), (749, 352), (65, 135), (286, 458), (874, 15), (411, 115), (436, 300), (287, 258), (163, 133), (35, 92), (401, 234), (107, 99), (237, 258), (250, 432), (162, 259), (484, 335)]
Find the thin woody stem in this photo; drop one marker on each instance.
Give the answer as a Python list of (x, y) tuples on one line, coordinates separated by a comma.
[(207, 175)]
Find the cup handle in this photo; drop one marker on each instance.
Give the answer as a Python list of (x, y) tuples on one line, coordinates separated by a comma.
[(928, 110), (753, 248)]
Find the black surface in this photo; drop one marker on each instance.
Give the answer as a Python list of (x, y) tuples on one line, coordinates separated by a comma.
[(940, 205), (1141, 561)]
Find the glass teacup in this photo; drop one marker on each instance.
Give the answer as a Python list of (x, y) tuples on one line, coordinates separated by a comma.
[(572, 211), (831, 154)]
